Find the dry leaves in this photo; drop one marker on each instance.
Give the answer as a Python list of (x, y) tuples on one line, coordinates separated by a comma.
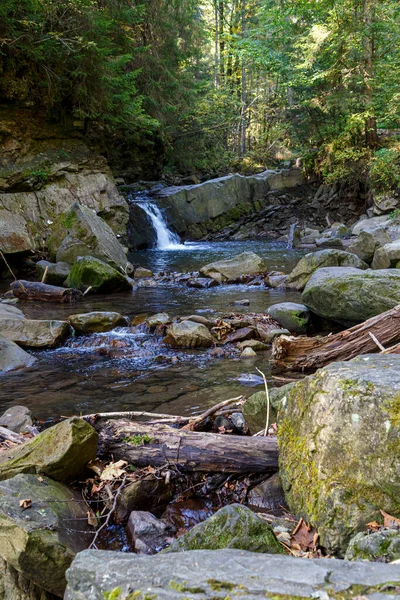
[(304, 537), (26, 503), (114, 471), (389, 521)]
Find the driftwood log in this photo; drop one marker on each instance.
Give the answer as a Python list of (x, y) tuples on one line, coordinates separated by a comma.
[(310, 353), (42, 292), (158, 445)]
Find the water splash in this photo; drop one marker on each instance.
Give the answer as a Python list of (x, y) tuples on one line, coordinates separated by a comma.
[(166, 239)]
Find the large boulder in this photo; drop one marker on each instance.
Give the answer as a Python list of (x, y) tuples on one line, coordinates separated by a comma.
[(234, 526), (16, 418), (367, 242), (56, 273), (88, 271), (247, 263), (32, 333), (339, 446), (13, 357), (41, 541), (96, 322), (290, 315), (16, 586), (188, 334), (387, 256), (305, 268), (348, 296), (95, 238), (212, 574), (391, 226), (61, 452)]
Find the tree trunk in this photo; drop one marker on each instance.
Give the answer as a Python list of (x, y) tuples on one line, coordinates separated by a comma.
[(371, 132), (243, 120), (221, 38), (156, 445), (42, 292)]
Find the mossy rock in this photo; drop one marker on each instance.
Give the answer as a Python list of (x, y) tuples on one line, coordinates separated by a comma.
[(233, 526), (88, 271), (96, 322), (255, 408), (61, 452), (290, 315), (339, 446), (379, 546)]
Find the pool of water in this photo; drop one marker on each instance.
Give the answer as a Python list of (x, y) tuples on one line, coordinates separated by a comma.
[(131, 369)]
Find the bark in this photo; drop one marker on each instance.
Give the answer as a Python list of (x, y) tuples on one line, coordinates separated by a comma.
[(309, 354), (371, 132), (42, 292), (159, 445)]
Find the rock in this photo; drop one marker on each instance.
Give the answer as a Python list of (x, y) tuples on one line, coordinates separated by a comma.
[(256, 345), (146, 533), (244, 302), (380, 546), (211, 574), (247, 263), (391, 226), (199, 319), (304, 269), (291, 316), (16, 418), (255, 408), (57, 273), (158, 319), (384, 203), (13, 357), (233, 526), (202, 283), (149, 493), (339, 442), (141, 272), (239, 422), (188, 334), (273, 333), (276, 281), (61, 452), (340, 230), (248, 353), (241, 334), (96, 322), (329, 242), (366, 243), (387, 256), (141, 233), (8, 311), (268, 495), (31, 333), (83, 233), (36, 541), (88, 271), (349, 296), (15, 586)]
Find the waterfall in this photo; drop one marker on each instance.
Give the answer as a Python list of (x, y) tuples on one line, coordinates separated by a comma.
[(166, 239)]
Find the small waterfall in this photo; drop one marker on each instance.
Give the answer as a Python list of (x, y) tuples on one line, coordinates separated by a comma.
[(166, 239)]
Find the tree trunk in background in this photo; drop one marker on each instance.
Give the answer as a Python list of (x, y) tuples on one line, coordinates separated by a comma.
[(243, 127), (216, 44), (221, 37), (371, 134)]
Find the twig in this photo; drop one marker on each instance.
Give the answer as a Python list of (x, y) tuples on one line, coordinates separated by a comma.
[(133, 415), (87, 290), (267, 394), (377, 342), (106, 522), (45, 275), (212, 410), (7, 265)]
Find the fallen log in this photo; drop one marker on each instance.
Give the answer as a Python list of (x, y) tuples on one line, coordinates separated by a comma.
[(11, 436), (310, 353), (42, 292), (145, 445)]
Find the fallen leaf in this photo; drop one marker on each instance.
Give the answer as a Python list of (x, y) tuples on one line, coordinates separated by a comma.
[(373, 526), (40, 479), (91, 517), (389, 521), (113, 471), (304, 537), (24, 504)]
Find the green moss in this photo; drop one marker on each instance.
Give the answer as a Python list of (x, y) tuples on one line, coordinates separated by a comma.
[(183, 587), (394, 411), (138, 440), (115, 594), (219, 586)]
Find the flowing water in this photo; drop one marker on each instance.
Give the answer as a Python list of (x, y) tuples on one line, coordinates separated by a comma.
[(129, 369), (166, 239)]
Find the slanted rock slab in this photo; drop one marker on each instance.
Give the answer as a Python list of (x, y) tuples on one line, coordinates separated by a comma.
[(247, 263), (13, 357), (31, 333), (61, 452), (96, 322)]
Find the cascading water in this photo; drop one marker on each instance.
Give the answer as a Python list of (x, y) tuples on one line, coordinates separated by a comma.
[(166, 239)]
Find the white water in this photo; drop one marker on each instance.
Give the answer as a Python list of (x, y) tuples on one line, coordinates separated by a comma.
[(166, 239)]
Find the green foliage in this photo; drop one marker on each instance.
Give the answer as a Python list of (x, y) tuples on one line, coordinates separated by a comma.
[(384, 173), (139, 440)]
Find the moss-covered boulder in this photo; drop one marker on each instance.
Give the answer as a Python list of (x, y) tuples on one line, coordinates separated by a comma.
[(233, 526), (379, 546), (33, 333), (61, 452), (88, 271), (304, 269), (96, 322), (41, 541), (13, 357), (247, 263), (349, 296), (188, 334), (255, 408), (290, 315), (339, 446)]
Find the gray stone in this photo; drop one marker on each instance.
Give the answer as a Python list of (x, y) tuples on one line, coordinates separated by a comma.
[(348, 296), (268, 495), (381, 546), (13, 357), (96, 322), (383, 203), (391, 226), (41, 541), (291, 316), (367, 242), (57, 273), (88, 271), (159, 319), (305, 268), (339, 443), (8, 311), (188, 334), (146, 533), (16, 586), (16, 418), (248, 353), (387, 256), (329, 242), (256, 345), (218, 573), (141, 272), (233, 526), (149, 493), (255, 407), (247, 263), (31, 333)]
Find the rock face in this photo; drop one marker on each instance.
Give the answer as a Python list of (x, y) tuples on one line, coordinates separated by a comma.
[(220, 573), (291, 316), (32, 333), (88, 271), (247, 263), (349, 295), (188, 334), (305, 268), (15, 586), (381, 546), (339, 443), (83, 233), (13, 357), (16, 418), (233, 526), (33, 194), (60, 452), (36, 541), (96, 322), (57, 273)]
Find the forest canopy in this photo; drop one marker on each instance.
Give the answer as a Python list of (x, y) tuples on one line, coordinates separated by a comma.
[(224, 83)]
